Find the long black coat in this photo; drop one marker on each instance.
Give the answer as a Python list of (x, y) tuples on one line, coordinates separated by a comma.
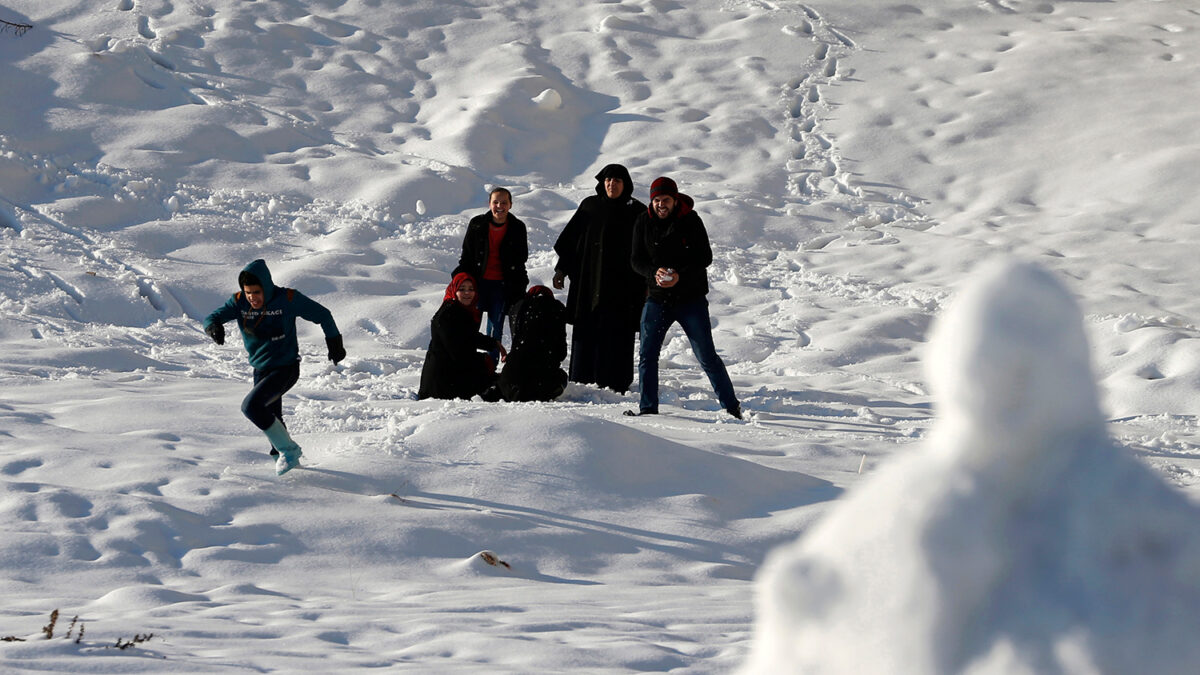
[(594, 250), (678, 242), (532, 371), (454, 368), (514, 251)]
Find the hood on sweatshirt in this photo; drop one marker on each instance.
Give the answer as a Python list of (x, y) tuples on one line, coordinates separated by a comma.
[(258, 271)]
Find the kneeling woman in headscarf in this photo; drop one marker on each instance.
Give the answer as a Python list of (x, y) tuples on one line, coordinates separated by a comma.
[(454, 366)]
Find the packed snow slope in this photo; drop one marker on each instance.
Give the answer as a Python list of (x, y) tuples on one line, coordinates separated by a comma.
[(854, 163)]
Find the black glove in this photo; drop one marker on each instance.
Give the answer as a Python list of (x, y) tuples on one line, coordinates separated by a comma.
[(336, 351), (216, 331)]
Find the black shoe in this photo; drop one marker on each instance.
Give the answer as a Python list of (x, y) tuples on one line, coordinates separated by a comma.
[(736, 411), (639, 413)]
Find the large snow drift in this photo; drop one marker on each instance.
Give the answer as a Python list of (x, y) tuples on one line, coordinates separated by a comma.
[(999, 546)]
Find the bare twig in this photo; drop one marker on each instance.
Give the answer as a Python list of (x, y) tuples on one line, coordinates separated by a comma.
[(137, 639), (48, 629), (18, 29)]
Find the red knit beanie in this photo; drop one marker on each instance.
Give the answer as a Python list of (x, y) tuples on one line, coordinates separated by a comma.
[(663, 186)]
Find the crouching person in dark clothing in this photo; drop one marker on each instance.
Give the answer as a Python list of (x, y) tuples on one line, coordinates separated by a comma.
[(454, 365), (533, 371), (266, 315)]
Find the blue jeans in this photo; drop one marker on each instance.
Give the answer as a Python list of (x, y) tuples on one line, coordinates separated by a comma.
[(693, 318), (491, 302), (264, 404)]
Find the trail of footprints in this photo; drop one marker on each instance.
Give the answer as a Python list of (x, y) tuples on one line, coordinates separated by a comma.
[(817, 173), (813, 151)]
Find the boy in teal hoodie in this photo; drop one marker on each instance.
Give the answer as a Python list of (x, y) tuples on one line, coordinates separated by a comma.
[(266, 315)]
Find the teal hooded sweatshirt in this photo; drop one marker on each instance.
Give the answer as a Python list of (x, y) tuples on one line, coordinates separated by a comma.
[(270, 333)]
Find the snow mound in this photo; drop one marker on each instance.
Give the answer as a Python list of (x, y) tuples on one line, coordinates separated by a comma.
[(146, 597), (576, 463), (997, 548), (482, 563), (1010, 365)]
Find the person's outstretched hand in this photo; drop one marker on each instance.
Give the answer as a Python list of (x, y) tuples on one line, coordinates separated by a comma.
[(337, 352), (216, 331)]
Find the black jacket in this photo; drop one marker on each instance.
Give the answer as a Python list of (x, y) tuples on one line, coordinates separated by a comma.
[(594, 250), (453, 366), (514, 251), (678, 242), (533, 372)]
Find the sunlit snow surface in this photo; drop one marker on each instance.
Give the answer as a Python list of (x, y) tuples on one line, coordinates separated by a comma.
[(855, 163)]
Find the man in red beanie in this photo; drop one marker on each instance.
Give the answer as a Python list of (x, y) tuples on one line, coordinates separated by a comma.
[(671, 252)]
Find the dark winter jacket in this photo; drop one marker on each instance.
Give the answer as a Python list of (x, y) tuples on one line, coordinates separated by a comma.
[(532, 371), (514, 251), (454, 368), (678, 242), (594, 250), (269, 334)]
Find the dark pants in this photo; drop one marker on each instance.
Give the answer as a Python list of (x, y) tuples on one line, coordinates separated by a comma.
[(602, 350), (264, 404), (693, 318), (491, 302)]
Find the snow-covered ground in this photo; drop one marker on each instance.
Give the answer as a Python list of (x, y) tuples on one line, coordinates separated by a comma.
[(855, 164)]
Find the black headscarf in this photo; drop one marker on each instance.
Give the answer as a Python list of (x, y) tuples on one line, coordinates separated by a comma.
[(615, 171)]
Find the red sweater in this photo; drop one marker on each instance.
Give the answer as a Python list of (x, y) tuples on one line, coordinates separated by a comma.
[(493, 271)]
